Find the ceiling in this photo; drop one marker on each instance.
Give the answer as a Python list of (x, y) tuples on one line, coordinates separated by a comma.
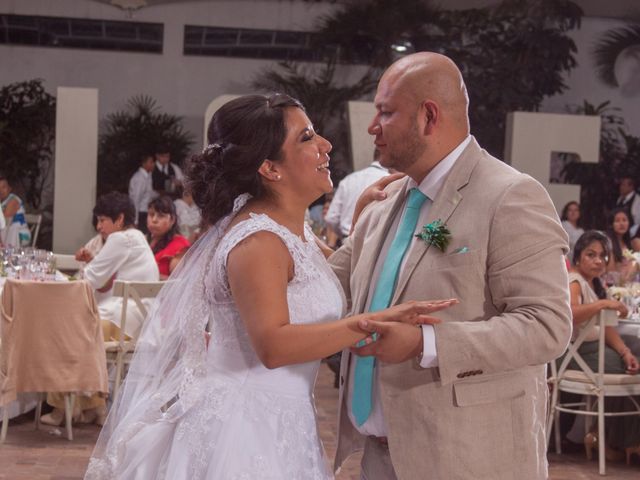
[(620, 9)]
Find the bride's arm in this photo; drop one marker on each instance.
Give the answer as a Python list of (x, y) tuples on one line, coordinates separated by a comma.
[(259, 269)]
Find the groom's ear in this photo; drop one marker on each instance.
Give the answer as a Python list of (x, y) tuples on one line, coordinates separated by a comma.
[(430, 112)]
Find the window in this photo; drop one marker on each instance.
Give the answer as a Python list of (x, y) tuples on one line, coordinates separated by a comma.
[(81, 33), (250, 43)]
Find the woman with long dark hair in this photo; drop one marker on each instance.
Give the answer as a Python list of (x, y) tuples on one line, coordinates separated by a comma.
[(167, 244), (588, 298)]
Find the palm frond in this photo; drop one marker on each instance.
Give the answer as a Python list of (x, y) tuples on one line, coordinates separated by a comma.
[(609, 46)]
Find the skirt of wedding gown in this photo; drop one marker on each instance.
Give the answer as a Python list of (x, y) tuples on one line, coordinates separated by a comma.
[(249, 424)]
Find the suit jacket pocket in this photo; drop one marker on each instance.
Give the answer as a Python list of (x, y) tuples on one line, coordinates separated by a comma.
[(488, 390), (454, 260)]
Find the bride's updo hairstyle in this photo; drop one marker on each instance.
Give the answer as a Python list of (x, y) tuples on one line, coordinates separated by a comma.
[(242, 134)]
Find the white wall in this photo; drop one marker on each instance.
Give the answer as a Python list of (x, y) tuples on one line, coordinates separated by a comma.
[(182, 85), (583, 82)]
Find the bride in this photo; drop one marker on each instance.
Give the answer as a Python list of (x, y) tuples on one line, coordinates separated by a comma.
[(241, 405)]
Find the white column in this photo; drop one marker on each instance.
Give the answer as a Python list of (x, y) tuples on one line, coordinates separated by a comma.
[(360, 115), (76, 160), (532, 137)]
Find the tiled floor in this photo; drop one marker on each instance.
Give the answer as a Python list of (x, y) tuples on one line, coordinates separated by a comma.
[(47, 455)]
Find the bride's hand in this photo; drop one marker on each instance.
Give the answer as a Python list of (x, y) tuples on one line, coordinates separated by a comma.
[(414, 312), (374, 192)]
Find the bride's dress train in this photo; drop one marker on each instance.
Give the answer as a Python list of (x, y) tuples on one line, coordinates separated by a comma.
[(240, 420)]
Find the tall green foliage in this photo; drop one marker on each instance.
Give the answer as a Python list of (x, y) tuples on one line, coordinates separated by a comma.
[(130, 133), (512, 55), (27, 132)]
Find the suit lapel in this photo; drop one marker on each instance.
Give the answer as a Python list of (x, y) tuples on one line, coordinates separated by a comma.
[(445, 203), (377, 239)]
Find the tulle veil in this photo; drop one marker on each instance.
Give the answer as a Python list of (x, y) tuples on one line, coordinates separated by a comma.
[(169, 357)]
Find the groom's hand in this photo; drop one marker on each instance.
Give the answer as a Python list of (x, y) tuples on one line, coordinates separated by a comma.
[(397, 342)]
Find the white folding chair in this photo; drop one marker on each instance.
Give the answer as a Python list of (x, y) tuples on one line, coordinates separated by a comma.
[(119, 352), (594, 386), (33, 221)]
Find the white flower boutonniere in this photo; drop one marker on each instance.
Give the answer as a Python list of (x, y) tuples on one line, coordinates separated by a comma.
[(435, 233)]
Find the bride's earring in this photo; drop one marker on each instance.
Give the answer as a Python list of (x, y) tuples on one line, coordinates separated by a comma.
[(278, 176)]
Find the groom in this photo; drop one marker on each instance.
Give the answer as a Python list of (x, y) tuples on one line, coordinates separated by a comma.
[(466, 398)]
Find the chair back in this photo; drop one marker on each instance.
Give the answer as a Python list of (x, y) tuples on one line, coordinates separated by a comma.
[(33, 221), (604, 319), (135, 291), (67, 263)]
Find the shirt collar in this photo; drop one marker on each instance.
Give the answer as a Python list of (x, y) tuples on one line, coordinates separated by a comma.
[(434, 180), (160, 166), (628, 196)]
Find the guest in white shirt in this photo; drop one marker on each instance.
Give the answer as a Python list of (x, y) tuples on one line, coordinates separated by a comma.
[(189, 216), (141, 190), (342, 206), (571, 223), (167, 177), (629, 200), (126, 255)]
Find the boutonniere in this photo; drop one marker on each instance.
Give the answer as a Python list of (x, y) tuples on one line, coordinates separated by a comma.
[(435, 233)]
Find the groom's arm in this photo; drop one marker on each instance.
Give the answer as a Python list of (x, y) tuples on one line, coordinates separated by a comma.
[(340, 262), (527, 281)]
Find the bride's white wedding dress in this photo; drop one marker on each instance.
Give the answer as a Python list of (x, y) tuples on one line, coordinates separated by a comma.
[(241, 420)]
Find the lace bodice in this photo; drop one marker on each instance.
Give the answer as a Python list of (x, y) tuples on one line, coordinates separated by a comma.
[(314, 294)]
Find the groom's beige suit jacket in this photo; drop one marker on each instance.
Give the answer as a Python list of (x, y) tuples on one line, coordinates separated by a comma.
[(481, 413)]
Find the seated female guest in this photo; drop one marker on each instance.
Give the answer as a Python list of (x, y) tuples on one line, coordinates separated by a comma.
[(16, 231), (618, 232), (588, 298), (125, 256), (571, 223), (167, 245)]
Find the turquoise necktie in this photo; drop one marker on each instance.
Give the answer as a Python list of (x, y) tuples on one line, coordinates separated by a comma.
[(363, 376)]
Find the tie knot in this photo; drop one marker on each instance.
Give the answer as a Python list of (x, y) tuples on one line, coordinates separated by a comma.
[(416, 198)]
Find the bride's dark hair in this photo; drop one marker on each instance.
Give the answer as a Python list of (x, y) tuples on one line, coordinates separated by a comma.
[(241, 135)]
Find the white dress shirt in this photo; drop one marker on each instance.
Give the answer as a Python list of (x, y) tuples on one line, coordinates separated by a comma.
[(176, 169), (430, 186), (127, 255), (141, 190), (340, 213)]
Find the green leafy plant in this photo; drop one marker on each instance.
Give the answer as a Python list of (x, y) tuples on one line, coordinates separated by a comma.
[(27, 132), (130, 133), (609, 47)]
